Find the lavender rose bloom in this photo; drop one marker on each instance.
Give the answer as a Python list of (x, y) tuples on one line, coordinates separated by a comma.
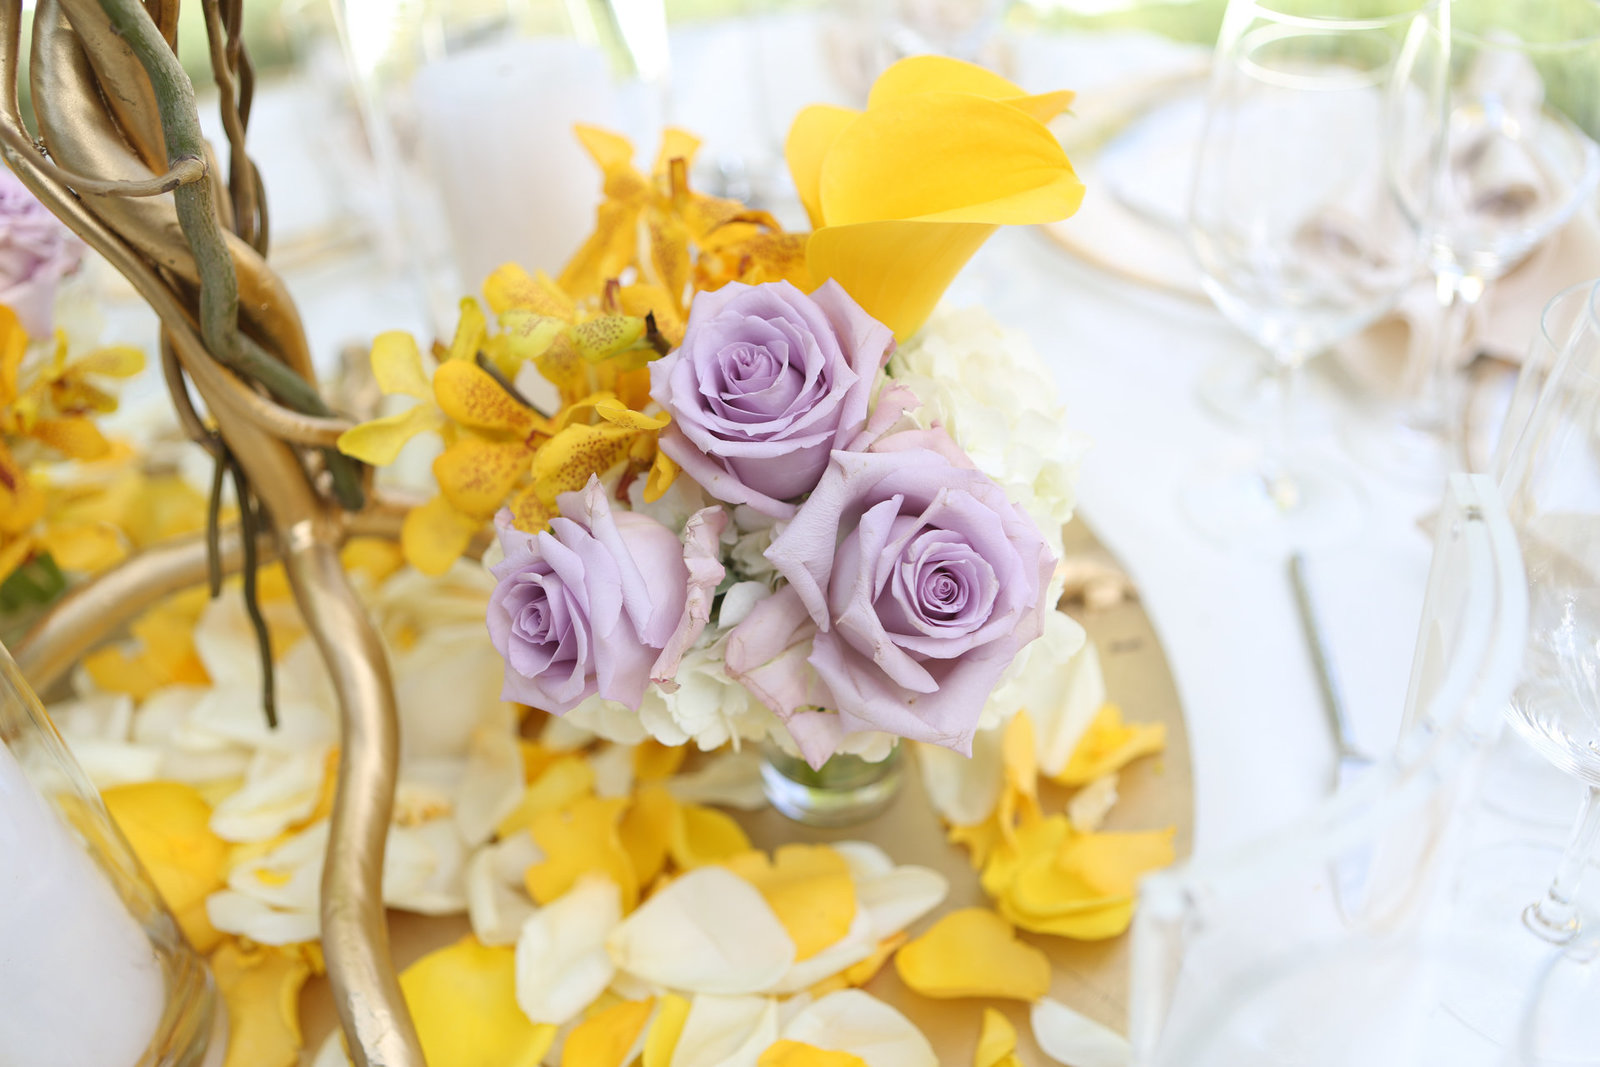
[(36, 252), (600, 603), (913, 583), (768, 381)]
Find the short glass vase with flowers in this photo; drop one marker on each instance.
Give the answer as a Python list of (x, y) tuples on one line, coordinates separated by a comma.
[(738, 496)]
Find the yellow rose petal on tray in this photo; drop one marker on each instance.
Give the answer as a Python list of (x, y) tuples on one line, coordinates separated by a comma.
[(646, 831), (1109, 745), (997, 1042), (810, 890), (463, 1000), (1085, 888), (708, 931), (564, 781), (973, 953), (260, 988), (579, 840), (702, 836), (662, 1037), (796, 1054), (610, 1037), (169, 826)]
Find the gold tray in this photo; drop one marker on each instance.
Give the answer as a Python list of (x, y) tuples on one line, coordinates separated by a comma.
[(1091, 977)]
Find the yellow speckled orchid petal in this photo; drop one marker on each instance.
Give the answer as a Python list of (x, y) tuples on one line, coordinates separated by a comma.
[(579, 840), (922, 74), (434, 535), (811, 135), (973, 952), (997, 1042), (76, 438), (701, 836), (676, 143), (528, 512), (397, 365), (1109, 745), (662, 1038), (510, 287), (810, 890), (565, 463), (646, 831), (796, 1054), (13, 555), (564, 781), (260, 986), (663, 472), (468, 395), (113, 361), (707, 931), (609, 1037), (947, 157), (470, 333), (616, 412), (169, 826), (895, 270), (379, 441), (476, 475), (463, 1001), (562, 965), (643, 299), (85, 546)]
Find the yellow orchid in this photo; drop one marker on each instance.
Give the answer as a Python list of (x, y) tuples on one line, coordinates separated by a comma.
[(902, 194), (676, 241)]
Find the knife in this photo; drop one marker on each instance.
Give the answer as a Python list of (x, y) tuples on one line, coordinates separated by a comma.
[(1352, 761)]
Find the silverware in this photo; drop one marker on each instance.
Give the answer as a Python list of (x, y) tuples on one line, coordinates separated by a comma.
[(1352, 761)]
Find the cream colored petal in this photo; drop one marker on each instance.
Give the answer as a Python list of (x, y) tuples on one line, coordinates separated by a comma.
[(114, 763), (287, 876), (1071, 1038), (709, 931), (858, 1023), (492, 782), (280, 789), (452, 668), (895, 900), (726, 1031), (562, 964), (964, 791), (497, 901), (613, 770), (1063, 698), (331, 1054), (236, 913), (423, 868), (1089, 806), (728, 780), (855, 946)]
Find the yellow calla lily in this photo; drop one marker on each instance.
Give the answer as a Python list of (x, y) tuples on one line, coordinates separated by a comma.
[(902, 194), (464, 1003)]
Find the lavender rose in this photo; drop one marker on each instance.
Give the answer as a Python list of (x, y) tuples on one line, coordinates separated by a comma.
[(913, 583), (600, 603), (36, 252), (768, 381)]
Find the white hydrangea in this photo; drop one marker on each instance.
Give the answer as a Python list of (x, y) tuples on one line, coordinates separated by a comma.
[(987, 386)]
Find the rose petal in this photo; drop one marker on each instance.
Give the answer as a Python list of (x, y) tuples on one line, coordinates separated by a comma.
[(973, 953), (709, 931), (260, 988), (497, 902), (810, 890), (1074, 1039), (612, 1037), (997, 1042), (855, 1022), (561, 960), (730, 1031), (463, 1002)]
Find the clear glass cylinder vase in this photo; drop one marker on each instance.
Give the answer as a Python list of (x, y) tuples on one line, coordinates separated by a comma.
[(93, 967), (842, 792)]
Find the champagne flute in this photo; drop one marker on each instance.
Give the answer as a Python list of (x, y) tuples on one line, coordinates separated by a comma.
[(1299, 239), (1552, 491), (1505, 95)]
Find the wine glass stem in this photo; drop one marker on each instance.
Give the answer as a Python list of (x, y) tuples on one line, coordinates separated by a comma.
[(1555, 916), (1436, 408), (1282, 435)]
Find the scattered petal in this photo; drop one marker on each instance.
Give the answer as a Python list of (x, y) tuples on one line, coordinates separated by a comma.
[(611, 1037), (795, 1054), (577, 841), (1089, 806), (662, 1037), (562, 965), (810, 890), (997, 1042), (705, 835), (1109, 745), (463, 1001), (973, 953), (1074, 1039), (860, 1024), (260, 987), (169, 827), (726, 1031), (497, 900)]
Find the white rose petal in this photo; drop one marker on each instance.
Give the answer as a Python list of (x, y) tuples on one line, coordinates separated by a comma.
[(423, 868), (287, 876), (739, 601), (860, 1024), (1077, 687), (1089, 806), (101, 717), (963, 790), (857, 944), (491, 783), (1077, 1040), (238, 913), (562, 964), (726, 1032), (113, 763), (613, 770), (729, 779), (709, 931), (497, 902), (279, 790), (895, 900), (598, 717)]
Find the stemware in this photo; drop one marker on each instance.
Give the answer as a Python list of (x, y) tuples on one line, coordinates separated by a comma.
[(1493, 116), (1560, 1027), (1552, 490), (1299, 240)]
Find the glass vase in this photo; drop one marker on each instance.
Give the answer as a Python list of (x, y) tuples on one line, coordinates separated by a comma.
[(842, 792), (93, 967)]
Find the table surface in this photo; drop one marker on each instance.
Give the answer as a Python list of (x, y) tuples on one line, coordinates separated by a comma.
[(1128, 361)]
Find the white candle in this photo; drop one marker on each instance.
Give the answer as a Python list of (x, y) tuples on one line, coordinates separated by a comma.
[(79, 980)]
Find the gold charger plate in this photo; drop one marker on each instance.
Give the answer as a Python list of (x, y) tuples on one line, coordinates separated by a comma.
[(1091, 977)]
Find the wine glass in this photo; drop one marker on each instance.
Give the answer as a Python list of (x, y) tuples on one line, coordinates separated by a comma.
[(1494, 114), (1299, 239), (1560, 1027), (1552, 490)]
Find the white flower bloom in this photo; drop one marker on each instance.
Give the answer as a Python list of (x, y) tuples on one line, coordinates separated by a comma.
[(987, 386), (747, 557), (708, 708)]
